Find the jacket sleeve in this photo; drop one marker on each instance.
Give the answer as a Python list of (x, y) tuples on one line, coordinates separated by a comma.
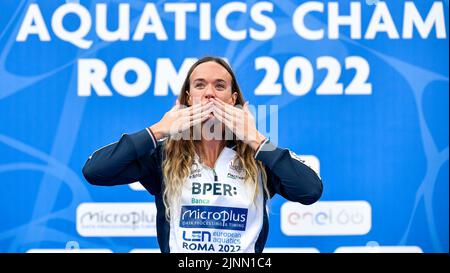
[(133, 158), (288, 176)]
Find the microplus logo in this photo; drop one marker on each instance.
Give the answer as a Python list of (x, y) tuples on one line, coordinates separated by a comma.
[(326, 218), (116, 219), (213, 217)]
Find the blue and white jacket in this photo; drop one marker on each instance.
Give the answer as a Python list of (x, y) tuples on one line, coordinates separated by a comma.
[(218, 211)]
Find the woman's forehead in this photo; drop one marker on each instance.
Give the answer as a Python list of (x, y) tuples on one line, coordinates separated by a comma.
[(210, 71)]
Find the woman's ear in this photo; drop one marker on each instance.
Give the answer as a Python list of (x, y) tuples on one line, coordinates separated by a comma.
[(234, 97), (189, 100)]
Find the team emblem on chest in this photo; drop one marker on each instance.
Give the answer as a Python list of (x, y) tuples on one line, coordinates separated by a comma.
[(196, 171), (236, 170)]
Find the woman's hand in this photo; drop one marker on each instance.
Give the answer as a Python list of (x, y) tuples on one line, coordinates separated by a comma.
[(240, 121), (180, 118)]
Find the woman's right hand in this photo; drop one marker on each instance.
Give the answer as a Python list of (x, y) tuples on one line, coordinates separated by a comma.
[(181, 118)]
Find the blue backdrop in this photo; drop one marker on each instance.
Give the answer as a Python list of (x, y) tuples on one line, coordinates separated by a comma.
[(386, 145)]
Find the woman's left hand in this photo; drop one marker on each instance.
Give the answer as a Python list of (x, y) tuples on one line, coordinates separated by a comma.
[(240, 121)]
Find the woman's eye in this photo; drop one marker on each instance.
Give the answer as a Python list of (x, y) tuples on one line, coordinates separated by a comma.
[(220, 87), (200, 85)]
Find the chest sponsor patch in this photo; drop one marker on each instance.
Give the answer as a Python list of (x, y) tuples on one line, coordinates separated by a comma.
[(213, 217)]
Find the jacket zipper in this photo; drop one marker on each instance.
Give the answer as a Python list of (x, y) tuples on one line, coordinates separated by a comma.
[(216, 177)]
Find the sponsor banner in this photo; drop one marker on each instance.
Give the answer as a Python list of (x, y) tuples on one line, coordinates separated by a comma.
[(378, 249), (137, 186), (290, 250), (116, 219), (49, 250), (326, 218)]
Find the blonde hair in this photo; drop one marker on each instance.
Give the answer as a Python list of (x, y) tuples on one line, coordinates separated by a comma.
[(179, 154)]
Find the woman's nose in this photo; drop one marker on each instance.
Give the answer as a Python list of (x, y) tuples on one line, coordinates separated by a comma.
[(209, 96), (209, 93)]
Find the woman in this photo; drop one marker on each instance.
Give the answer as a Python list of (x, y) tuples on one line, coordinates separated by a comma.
[(210, 192)]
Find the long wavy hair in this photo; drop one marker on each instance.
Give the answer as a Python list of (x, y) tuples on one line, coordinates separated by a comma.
[(179, 153)]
